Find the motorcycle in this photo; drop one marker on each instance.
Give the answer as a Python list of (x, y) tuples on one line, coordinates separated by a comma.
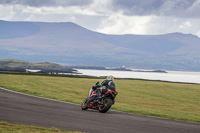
[(102, 102)]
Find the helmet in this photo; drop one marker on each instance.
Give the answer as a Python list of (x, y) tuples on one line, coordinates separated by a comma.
[(110, 77)]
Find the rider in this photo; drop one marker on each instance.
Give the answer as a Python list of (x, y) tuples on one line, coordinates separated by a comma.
[(108, 83)]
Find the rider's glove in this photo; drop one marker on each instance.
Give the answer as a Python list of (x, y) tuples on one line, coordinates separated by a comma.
[(96, 86), (99, 85)]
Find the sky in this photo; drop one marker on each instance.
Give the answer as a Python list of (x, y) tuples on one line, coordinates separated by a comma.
[(142, 17)]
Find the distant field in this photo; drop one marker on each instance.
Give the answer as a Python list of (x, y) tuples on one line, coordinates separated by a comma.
[(162, 99)]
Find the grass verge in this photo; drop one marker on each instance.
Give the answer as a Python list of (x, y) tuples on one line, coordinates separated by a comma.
[(161, 99), (15, 128)]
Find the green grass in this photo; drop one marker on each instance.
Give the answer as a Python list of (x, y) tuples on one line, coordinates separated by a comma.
[(15, 128), (162, 99)]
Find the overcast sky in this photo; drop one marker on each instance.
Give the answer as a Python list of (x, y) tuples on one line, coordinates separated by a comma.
[(110, 16)]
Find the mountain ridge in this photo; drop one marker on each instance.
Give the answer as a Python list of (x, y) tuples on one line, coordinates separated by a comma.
[(72, 44)]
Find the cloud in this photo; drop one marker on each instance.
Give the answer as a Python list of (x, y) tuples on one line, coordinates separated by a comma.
[(18, 12), (164, 24), (40, 3), (179, 8), (185, 25), (110, 16), (149, 25), (137, 7), (118, 23)]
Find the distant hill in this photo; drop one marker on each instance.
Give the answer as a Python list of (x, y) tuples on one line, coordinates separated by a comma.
[(69, 43), (23, 66)]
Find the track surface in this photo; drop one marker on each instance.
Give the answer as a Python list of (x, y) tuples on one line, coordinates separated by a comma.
[(29, 110)]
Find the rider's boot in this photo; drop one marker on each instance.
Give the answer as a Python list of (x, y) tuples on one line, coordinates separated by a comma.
[(113, 101), (90, 99)]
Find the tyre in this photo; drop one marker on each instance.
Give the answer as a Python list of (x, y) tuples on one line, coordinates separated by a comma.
[(106, 106), (84, 105)]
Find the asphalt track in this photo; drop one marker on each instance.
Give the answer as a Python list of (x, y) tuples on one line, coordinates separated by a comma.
[(30, 110)]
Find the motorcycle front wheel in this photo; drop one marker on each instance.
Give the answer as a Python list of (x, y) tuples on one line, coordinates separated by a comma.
[(106, 106), (84, 105)]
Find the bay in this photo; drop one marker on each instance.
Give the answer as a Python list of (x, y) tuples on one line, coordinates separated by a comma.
[(171, 76)]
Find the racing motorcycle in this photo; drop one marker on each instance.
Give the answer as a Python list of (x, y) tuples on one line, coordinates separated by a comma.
[(102, 102)]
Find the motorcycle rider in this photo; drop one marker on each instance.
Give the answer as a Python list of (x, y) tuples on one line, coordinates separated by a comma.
[(108, 83)]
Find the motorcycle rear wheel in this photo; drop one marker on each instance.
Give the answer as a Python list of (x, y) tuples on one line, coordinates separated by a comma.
[(106, 106), (84, 105)]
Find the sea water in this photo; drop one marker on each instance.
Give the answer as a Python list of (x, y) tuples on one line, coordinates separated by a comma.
[(172, 76)]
